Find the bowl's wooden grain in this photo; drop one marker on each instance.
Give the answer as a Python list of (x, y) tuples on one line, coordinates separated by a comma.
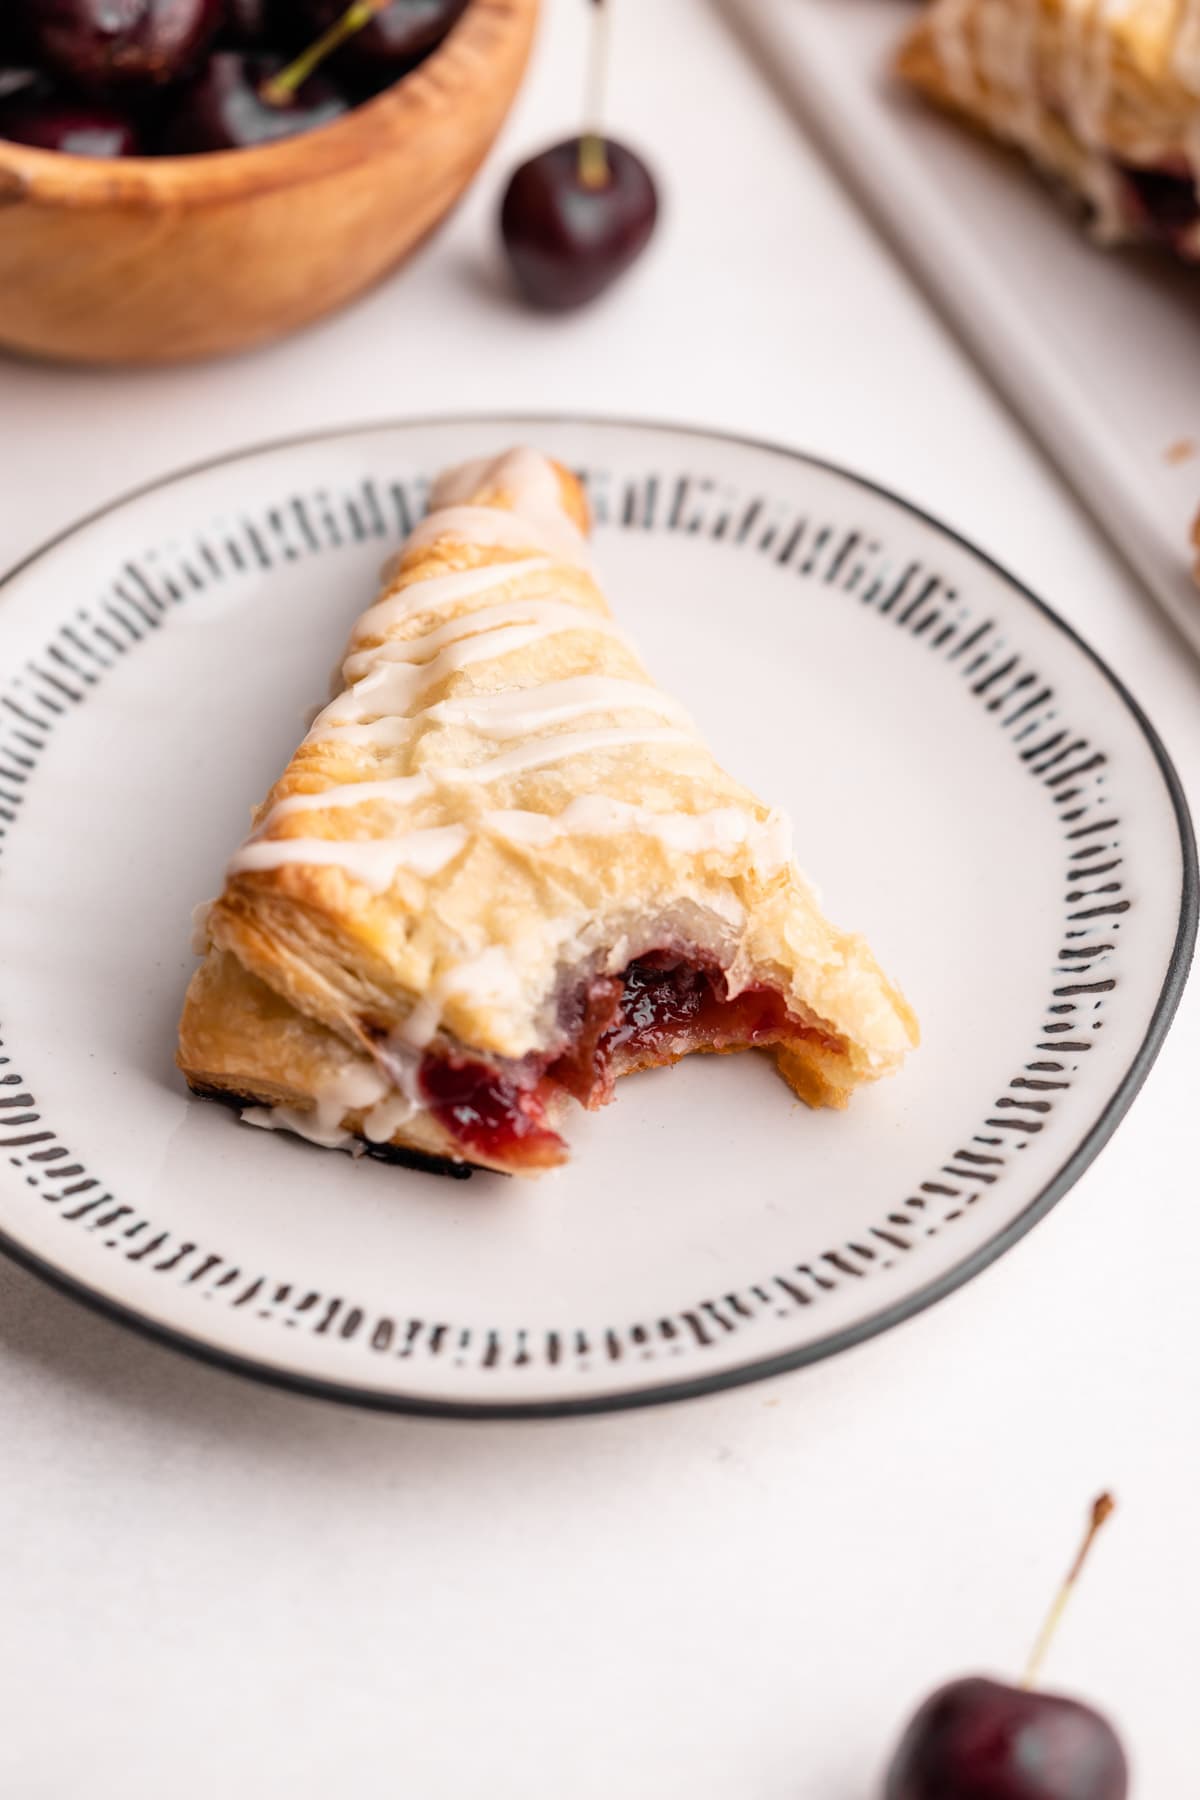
[(158, 259)]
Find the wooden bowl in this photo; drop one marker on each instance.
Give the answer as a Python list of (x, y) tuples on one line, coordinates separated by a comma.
[(156, 259)]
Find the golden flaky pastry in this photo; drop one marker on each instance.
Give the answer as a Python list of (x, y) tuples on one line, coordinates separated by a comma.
[(503, 869), (1104, 95)]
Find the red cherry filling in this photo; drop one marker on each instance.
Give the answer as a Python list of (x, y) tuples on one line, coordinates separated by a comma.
[(667, 1006), (659, 1009), (489, 1112)]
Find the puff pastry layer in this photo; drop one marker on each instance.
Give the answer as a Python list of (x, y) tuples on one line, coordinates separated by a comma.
[(503, 869), (1104, 95)]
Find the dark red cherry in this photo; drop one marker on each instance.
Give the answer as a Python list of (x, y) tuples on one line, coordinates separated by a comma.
[(102, 45), (567, 239), (27, 83), (223, 108), (253, 24), (977, 1739), (392, 41), (14, 41), (74, 127)]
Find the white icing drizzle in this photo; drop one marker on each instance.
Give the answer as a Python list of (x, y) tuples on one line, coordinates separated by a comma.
[(488, 978), (384, 1111), (516, 712), (525, 475), (397, 790), (724, 829), (380, 708), (544, 751), (373, 734), (355, 1088), (303, 1122), (418, 1029), (440, 592), (491, 527), (511, 713), (387, 1117), (386, 680), (387, 1095), (531, 484), (403, 790), (373, 861), (401, 1064)]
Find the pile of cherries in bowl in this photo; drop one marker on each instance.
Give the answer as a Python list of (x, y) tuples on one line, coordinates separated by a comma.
[(179, 77)]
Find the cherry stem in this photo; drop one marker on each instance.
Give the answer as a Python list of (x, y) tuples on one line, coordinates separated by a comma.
[(1102, 1508), (280, 88), (593, 155)]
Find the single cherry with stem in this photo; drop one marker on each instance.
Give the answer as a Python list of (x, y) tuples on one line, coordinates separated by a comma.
[(575, 217), (978, 1739)]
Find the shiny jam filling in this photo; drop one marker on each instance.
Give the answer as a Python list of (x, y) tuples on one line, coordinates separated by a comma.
[(663, 1000), (489, 1112), (659, 1009)]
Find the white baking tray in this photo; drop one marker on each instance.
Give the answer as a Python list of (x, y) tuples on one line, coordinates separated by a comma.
[(1097, 350)]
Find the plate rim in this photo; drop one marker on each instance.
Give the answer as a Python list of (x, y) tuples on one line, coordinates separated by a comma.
[(831, 1343)]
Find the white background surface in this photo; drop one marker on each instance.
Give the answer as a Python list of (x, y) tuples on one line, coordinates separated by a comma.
[(211, 1588)]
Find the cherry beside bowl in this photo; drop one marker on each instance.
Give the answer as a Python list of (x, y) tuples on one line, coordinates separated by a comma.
[(161, 259)]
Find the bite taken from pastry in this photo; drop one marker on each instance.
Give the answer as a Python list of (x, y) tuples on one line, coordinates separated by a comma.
[(503, 870)]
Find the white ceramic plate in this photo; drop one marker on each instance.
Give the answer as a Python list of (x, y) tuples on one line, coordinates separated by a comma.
[(970, 787), (1095, 349)]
